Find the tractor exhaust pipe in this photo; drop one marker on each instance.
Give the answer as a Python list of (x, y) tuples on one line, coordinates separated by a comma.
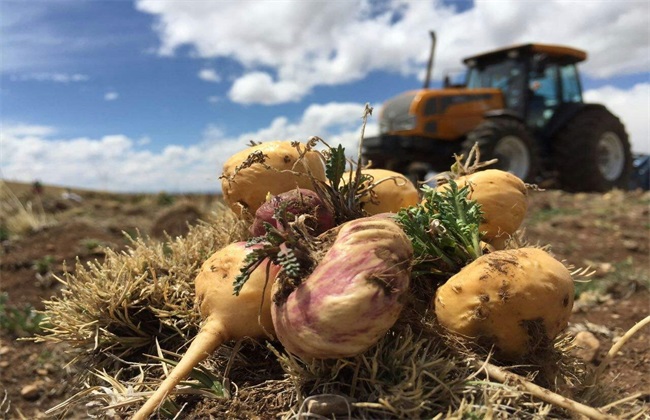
[(427, 79)]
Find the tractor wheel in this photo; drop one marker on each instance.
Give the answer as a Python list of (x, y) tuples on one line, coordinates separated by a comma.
[(592, 152), (507, 140)]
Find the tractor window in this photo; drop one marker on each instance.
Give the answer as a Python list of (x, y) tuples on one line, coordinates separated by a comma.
[(505, 75), (571, 91), (543, 96)]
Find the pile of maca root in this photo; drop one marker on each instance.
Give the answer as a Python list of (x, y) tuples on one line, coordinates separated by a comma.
[(336, 250)]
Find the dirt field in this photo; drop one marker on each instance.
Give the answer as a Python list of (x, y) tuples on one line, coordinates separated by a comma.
[(609, 233)]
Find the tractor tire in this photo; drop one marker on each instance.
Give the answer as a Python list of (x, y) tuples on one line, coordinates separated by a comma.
[(592, 153), (508, 141)]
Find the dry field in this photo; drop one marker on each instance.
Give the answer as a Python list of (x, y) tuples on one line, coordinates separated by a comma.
[(43, 235)]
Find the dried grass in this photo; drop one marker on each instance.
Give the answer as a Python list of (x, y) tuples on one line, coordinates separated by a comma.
[(111, 311), (18, 217)]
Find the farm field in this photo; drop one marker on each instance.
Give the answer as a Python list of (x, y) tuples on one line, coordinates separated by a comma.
[(609, 233)]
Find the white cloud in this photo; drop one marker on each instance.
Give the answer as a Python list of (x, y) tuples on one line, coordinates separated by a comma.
[(26, 130), (289, 47), (260, 88), (118, 163), (214, 99), (49, 77), (143, 141), (209, 75), (111, 96), (632, 107), (335, 122)]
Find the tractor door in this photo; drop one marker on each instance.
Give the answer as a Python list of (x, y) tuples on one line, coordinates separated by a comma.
[(550, 86)]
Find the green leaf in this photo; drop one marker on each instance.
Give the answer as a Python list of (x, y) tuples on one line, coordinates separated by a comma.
[(444, 230), (335, 166), (287, 259), (207, 380), (253, 260)]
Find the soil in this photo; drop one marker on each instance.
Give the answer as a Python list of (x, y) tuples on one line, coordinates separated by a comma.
[(606, 234)]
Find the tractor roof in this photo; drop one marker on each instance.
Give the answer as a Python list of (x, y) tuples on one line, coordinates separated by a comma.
[(555, 52)]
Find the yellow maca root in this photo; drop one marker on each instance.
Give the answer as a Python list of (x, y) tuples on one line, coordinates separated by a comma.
[(246, 188), (393, 191), (226, 316), (517, 300), (504, 201)]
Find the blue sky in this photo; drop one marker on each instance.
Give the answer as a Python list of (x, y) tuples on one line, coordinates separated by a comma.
[(151, 95)]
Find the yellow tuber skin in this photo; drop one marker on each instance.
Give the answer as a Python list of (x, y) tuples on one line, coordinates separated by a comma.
[(504, 201), (226, 316), (392, 194), (247, 188), (515, 299)]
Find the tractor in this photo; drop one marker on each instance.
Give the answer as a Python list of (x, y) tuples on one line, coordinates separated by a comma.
[(523, 106)]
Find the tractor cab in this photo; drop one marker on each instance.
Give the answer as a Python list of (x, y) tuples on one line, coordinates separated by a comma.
[(535, 79)]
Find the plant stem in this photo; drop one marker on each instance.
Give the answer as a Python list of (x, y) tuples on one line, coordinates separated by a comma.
[(503, 376), (617, 347)]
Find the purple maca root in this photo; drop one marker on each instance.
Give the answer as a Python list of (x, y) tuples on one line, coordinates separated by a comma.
[(298, 202), (353, 296)]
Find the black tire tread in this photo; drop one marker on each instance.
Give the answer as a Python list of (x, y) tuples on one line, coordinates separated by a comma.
[(575, 152), (488, 132)]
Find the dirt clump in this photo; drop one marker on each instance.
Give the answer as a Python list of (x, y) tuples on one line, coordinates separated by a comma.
[(176, 221)]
